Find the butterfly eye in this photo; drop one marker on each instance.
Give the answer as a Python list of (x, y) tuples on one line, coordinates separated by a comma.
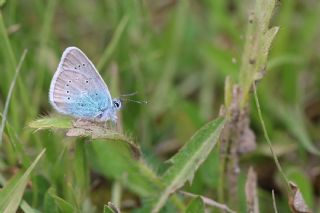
[(87, 81), (69, 81), (67, 91), (116, 104)]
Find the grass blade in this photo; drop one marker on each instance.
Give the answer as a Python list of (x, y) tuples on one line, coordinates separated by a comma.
[(26, 208), (189, 158), (266, 135), (113, 44), (6, 44), (11, 194), (6, 106), (293, 119), (62, 205)]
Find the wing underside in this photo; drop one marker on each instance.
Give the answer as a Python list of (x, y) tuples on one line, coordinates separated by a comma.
[(77, 88)]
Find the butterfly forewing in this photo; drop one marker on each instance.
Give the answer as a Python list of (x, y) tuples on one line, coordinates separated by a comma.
[(77, 88)]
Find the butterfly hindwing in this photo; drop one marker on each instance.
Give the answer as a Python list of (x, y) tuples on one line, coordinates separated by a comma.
[(77, 88)]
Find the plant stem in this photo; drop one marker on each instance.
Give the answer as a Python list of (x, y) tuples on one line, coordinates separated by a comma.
[(266, 135)]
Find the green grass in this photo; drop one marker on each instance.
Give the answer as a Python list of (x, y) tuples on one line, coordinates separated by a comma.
[(176, 55)]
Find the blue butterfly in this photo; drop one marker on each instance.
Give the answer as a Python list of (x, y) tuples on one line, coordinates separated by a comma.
[(77, 89)]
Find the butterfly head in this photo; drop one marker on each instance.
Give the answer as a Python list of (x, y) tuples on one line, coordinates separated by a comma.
[(116, 103)]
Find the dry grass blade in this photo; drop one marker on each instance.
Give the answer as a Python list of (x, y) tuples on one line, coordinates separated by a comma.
[(274, 202), (209, 202), (251, 192), (296, 201), (13, 83)]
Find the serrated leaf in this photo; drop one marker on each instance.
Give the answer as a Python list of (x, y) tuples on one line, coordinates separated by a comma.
[(268, 38), (52, 122), (196, 206), (263, 10), (266, 43), (189, 158), (11, 194)]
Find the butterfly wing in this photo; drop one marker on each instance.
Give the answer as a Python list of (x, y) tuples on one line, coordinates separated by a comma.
[(77, 88)]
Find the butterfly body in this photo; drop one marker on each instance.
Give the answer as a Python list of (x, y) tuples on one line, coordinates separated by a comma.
[(78, 90)]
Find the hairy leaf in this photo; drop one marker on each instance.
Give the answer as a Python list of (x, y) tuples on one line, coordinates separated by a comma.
[(189, 158)]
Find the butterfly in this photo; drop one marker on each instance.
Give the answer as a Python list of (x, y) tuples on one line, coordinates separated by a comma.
[(78, 90)]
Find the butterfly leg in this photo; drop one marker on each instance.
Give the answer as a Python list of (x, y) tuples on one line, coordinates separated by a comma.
[(109, 125)]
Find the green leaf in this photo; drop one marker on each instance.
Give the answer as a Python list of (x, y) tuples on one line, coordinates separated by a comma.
[(49, 204), (11, 194), (52, 122), (81, 171), (257, 45), (118, 161), (107, 209), (189, 158), (26, 208), (196, 206), (63, 205)]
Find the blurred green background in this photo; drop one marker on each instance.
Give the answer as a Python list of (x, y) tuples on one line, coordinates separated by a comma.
[(176, 55)]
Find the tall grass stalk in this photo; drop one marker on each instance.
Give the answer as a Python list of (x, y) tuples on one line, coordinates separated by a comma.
[(13, 83)]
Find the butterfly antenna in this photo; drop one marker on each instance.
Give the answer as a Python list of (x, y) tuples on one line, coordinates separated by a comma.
[(129, 94), (135, 101)]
